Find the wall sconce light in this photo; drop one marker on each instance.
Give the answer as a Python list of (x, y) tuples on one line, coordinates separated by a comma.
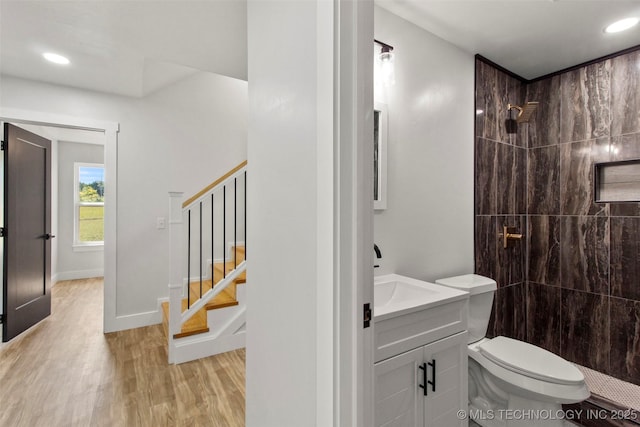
[(385, 67)]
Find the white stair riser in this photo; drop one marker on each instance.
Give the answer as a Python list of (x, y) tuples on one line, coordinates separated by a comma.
[(215, 341)]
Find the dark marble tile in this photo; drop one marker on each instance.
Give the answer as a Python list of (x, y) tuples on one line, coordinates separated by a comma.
[(584, 253), (625, 94), (624, 209), (585, 98), (520, 139), (488, 98), (510, 92), (625, 340), (506, 179), (486, 241), (585, 329), (510, 312), (486, 80), (516, 92), (543, 238), (625, 147), (520, 161), (544, 128), (543, 176), (510, 265), (494, 90), (485, 176), (576, 176), (543, 316), (625, 258)]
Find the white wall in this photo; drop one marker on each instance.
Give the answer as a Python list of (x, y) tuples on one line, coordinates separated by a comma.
[(72, 264), (427, 230), (179, 138), (289, 101)]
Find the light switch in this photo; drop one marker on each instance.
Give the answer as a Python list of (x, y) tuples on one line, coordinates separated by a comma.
[(161, 223)]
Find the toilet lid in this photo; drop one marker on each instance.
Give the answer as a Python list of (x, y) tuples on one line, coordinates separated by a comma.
[(531, 361)]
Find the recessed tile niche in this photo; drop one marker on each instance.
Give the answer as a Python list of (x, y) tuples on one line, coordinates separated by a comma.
[(617, 181)]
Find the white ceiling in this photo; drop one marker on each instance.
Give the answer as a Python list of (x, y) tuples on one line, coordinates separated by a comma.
[(125, 47), (528, 37), (135, 47)]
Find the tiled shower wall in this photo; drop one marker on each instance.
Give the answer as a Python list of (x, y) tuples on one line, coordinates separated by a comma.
[(500, 196), (578, 294)]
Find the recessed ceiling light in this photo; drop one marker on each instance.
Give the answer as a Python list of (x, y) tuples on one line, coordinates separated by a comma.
[(621, 25), (55, 58)]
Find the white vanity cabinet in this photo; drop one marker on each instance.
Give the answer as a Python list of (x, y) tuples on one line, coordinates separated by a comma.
[(420, 337), (426, 386)]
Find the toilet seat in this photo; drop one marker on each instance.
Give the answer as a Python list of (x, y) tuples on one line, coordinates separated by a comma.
[(531, 361), (516, 382)]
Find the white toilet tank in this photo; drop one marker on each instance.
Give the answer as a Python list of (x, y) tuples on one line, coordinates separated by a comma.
[(481, 291)]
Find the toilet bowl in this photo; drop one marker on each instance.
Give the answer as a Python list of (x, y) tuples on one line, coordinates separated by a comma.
[(512, 383)]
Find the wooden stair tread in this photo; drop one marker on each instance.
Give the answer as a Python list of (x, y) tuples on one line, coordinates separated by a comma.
[(217, 272), (230, 264), (194, 290), (226, 298), (197, 324), (228, 293)]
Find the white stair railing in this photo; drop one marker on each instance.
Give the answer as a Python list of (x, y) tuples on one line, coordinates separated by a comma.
[(204, 230)]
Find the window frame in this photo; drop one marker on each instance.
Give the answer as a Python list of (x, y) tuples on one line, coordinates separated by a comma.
[(80, 246)]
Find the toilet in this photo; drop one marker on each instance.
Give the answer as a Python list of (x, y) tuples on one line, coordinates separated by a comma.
[(512, 383)]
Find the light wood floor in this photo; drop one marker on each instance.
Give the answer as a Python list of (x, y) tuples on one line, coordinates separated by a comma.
[(66, 372)]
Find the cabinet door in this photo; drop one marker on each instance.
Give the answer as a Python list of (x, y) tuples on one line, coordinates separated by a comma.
[(397, 400), (447, 390)]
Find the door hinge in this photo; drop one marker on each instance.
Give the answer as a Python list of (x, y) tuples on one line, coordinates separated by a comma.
[(367, 315), (2, 145), (2, 318), (3, 232)]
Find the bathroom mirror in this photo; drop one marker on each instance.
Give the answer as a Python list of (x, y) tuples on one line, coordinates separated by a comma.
[(379, 156)]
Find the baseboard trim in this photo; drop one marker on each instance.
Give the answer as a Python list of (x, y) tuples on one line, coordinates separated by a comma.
[(77, 274), (209, 345), (132, 321)]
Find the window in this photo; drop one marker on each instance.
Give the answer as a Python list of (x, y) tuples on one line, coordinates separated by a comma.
[(89, 204)]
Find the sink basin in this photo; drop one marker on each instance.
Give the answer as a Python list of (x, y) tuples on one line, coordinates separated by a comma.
[(397, 292), (395, 295)]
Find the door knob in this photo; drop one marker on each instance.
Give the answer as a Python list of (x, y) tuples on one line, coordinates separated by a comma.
[(48, 236)]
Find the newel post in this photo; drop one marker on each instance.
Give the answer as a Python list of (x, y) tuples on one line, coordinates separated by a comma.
[(176, 242)]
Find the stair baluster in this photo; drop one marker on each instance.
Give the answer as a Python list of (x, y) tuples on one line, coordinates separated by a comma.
[(188, 258), (235, 228), (245, 215), (200, 263), (185, 315), (224, 231)]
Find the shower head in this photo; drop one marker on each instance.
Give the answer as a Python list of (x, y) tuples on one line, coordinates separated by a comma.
[(524, 112)]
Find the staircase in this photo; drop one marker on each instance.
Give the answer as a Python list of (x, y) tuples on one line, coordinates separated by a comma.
[(205, 314), (198, 323)]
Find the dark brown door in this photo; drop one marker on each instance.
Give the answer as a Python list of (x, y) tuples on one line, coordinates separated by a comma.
[(27, 225)]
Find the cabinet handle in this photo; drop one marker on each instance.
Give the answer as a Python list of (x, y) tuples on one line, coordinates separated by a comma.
[(424, 378), (433, 376)]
